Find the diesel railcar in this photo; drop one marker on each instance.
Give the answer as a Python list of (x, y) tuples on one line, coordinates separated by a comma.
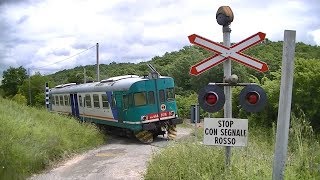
[(143, 106)]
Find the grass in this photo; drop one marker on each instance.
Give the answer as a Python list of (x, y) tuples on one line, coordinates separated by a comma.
[(33, 139), (192, 160)]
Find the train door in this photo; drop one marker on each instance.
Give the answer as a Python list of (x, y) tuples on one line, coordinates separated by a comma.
[(113, 105), (74, 105), (119, 106), (154, 98), (163, 92)]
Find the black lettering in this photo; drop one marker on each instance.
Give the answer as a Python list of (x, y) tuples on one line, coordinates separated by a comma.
[(215, 132), (229, 140), (231, 122), (205, 131), (224, 140), (211, 131), (221, 130), (219, 122), (233, 132)]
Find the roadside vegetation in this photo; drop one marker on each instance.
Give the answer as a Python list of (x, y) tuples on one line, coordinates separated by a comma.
[(191, 159), (34, 139)]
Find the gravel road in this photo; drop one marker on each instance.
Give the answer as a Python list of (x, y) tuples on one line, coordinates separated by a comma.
[(121, 158)]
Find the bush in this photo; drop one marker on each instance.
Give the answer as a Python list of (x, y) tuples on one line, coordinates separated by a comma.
[(20, 99)]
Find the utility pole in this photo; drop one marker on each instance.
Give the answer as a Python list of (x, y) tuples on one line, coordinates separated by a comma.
[(98, 71), (283, 122), (84, 75), (29, 87)]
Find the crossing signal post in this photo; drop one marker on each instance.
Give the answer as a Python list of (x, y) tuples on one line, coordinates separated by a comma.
[(211, 97)]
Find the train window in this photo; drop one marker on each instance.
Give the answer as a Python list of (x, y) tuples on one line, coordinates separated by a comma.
[(88, 101), (151, 99), (170, 94), (125, 101), (161, 95), (61, 100), (66, 100), (105, 103), (140, 99), (57, 100), (80, 100), (96, 102)]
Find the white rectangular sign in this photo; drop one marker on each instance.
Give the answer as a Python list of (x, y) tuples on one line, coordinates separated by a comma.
[(225, 131)]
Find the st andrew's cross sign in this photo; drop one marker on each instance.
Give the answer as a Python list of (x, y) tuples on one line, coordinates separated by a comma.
[(223, 53)]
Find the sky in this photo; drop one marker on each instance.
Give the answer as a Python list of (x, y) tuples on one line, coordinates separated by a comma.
[(46, 35)]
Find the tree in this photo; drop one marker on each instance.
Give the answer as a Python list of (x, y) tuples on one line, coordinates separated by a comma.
[(12, 79), (306, 89), (76, 78), (37, 88)]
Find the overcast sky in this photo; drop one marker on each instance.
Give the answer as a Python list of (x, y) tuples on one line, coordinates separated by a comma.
[(37, 34)]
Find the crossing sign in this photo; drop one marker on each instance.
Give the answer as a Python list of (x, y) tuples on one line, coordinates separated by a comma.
[(223, 53)]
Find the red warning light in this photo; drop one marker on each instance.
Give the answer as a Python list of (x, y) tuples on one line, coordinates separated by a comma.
[(252, 97), (211, 98)]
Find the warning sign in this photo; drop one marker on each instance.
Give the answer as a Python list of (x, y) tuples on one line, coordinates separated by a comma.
[(225, 131)]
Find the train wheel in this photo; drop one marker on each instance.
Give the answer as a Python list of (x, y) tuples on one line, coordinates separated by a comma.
[(172, 132), (144, 136)]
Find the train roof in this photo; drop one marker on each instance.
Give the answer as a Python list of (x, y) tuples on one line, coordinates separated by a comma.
[(118, 83)]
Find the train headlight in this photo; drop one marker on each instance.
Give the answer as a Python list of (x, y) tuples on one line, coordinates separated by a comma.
[(143, 118), (172, 113)]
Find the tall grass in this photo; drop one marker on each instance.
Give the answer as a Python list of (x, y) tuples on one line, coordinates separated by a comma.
[(192, 160), (32, 139)]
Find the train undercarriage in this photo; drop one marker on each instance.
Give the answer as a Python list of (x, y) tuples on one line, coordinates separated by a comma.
[(149, 131)]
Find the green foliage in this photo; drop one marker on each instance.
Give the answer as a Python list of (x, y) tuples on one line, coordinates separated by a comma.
[(33, 139), (1, 92), (184, 103), (37, 90), (306, 91), (12, 79), (20, 99), (76, 78), (305, 95)]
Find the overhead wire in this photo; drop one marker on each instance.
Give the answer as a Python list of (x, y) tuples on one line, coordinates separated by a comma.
[(41, 67)]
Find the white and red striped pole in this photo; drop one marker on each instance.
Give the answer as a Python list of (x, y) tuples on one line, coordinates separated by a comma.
[(47, 96)]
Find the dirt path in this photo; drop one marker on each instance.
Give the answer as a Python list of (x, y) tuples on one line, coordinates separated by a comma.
[(121, 158)]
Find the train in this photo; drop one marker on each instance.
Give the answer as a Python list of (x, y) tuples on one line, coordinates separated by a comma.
[(140, 106)]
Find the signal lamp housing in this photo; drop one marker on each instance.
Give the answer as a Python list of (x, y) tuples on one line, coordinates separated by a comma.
[(211, 98)]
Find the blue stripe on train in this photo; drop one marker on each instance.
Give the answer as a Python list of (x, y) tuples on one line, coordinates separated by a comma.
[(113, 109)]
